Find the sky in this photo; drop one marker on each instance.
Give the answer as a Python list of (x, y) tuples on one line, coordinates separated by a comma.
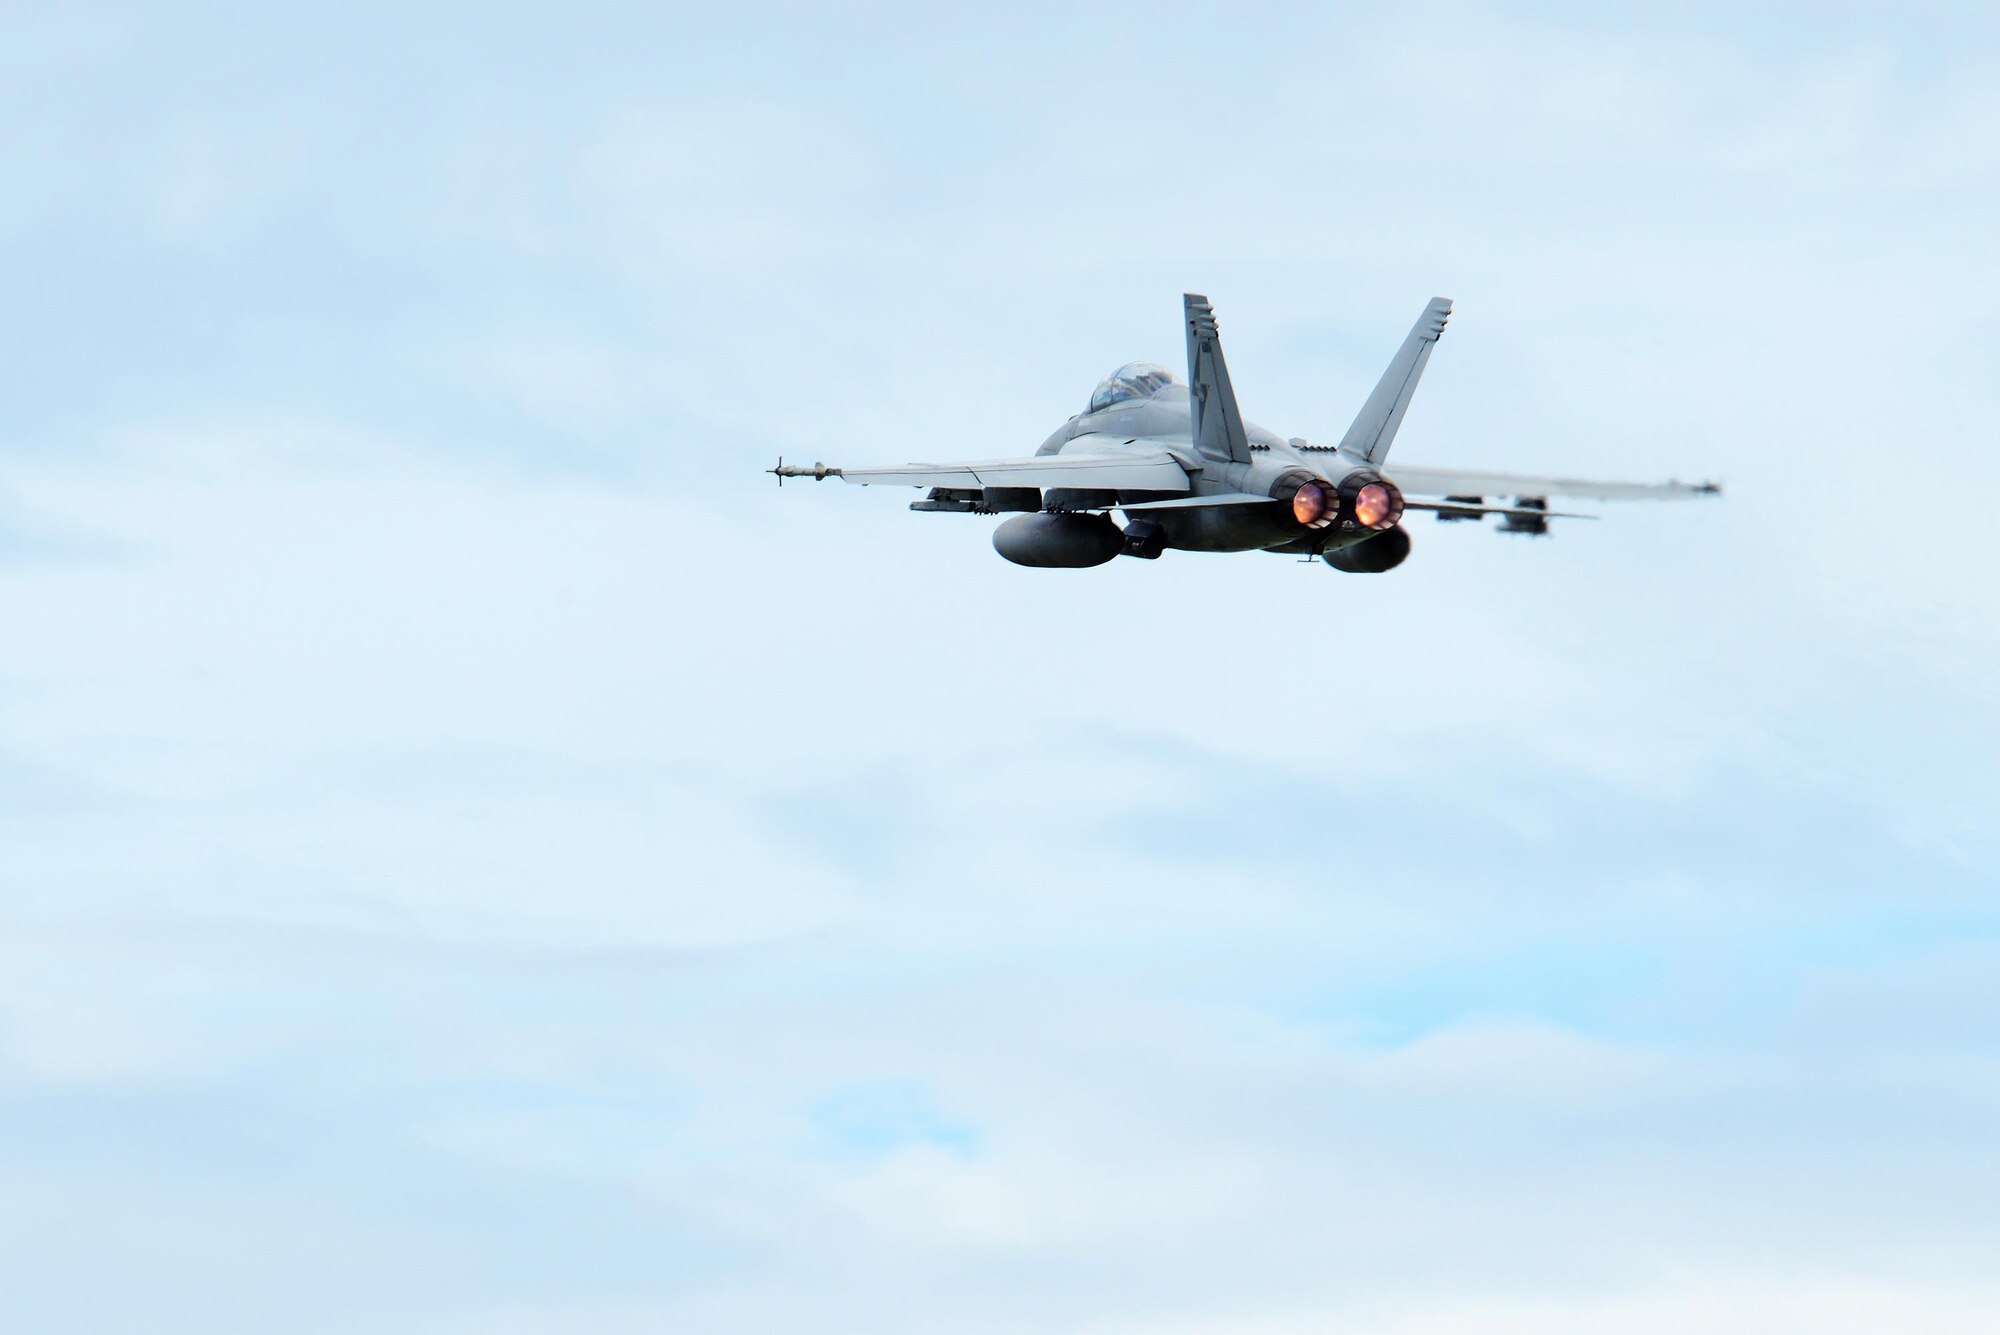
[(474, 854)]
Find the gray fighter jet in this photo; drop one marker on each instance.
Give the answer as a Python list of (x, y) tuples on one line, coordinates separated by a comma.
[(1189, 473)]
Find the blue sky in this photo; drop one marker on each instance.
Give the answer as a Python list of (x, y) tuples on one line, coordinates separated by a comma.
[(473, 854)]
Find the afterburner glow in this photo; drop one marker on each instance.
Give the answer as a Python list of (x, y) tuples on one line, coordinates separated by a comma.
[(1375, 506), (1309, 503)]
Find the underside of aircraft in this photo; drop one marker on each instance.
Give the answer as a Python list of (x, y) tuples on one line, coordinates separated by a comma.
[(1188, 473)]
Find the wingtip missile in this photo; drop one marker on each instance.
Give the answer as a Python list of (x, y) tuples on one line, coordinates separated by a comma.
[(818, 472)]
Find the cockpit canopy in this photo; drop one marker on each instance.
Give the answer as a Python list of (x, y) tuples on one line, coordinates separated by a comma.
[(1132, 381)]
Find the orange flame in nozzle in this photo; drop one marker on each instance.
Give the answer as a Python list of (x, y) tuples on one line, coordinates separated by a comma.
[(1375, 506), (1309, 503)]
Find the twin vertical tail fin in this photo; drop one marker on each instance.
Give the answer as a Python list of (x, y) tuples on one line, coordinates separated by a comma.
[(1374, 428), (1212, 412)]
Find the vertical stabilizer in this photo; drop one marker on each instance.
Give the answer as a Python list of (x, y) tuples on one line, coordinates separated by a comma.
[(1374, 428), (1212, 411)]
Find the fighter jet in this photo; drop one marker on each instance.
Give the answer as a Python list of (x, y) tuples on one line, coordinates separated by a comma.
[(1190, 474)]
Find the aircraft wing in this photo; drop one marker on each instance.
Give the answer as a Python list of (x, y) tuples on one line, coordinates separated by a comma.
[(1151, 471), (1419, 481)]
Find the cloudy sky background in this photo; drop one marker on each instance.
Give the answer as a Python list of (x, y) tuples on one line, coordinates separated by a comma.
[(475, 855)]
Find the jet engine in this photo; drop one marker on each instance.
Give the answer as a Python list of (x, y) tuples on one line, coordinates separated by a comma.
[(1059, 540), (1364, 499), (1371, 556)]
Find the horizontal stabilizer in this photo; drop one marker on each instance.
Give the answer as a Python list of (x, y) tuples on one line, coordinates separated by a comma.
[(1194, 502), (1462, 510)]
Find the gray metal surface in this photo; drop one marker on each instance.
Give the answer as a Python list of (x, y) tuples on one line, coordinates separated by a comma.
[(1463, 482), (1189, 502), (1471, 510), (1374, 427), (1215, 421), (1059, 542), (1150, 470)]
